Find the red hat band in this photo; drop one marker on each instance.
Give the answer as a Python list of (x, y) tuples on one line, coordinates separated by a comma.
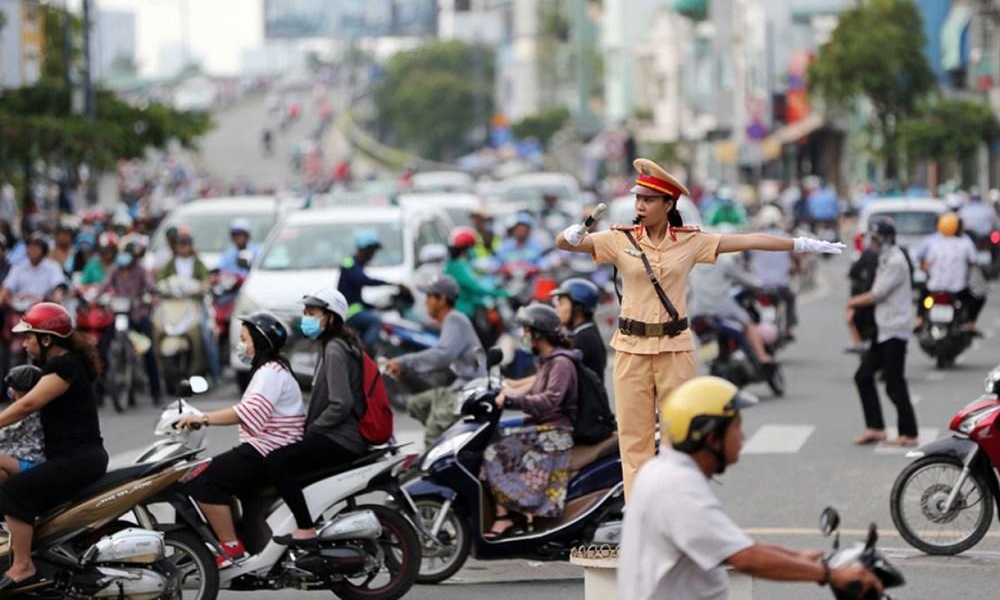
[(660, 185)]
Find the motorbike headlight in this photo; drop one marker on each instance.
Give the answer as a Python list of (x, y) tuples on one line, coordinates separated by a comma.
[(970, 422), (992, 381), (446, 447)]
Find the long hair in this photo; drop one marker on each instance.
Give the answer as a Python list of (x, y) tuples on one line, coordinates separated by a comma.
[(262, 353), (338, 329), (79, 343)]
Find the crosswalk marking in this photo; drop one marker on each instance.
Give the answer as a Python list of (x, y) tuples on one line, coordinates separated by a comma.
[(915, 399), (924, 435), (778, 439), (935, 376)]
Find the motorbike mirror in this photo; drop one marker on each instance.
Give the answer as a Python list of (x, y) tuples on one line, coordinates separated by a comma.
[(829, 521), (493, 357), (198, 384), (872, 536)]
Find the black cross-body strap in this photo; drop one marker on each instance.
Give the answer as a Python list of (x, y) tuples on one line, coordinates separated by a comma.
[(667, 304)]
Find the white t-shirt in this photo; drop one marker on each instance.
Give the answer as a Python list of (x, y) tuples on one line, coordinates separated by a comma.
[(676, 537), (948, 261), (184, 266), (271, 412)]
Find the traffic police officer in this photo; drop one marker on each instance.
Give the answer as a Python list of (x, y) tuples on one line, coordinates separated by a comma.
[(654, 257), (353, 279)]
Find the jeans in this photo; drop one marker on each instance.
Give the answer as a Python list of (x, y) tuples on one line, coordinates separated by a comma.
[(890, 358), (368, 325)]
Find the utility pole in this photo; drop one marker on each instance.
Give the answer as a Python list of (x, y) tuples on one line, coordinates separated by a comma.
[(90, 107)]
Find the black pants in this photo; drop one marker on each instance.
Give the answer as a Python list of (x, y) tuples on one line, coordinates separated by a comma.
[(31, 493), (145, 327), (233, 473), (787, 297), (890, 358), (311, 453)]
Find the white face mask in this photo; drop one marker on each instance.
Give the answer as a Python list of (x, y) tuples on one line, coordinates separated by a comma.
[(242, 352)]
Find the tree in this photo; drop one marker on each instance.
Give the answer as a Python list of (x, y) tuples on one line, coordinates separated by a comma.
[(543, 125), (433, 96), (876, 52), (948, 130)]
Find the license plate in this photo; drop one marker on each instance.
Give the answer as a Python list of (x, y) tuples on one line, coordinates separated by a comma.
[(768, 314), (984, 257), (708, 351), (942, 314)]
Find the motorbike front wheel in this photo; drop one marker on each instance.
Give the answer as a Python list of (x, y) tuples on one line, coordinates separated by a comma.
[(195, 564), (120, 376), (399, 550), (920, 495), (444, 558)]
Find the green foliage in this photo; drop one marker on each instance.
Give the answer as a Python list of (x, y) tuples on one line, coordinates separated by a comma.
[(54, 46), (543, 125), (948, 129), (876, 52), (431, 97)]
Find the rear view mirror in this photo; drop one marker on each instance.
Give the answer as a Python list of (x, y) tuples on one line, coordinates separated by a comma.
[(829, 520), (199, 385), (493, 357)]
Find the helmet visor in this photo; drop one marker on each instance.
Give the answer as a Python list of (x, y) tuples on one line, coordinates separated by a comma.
[(742, 400)]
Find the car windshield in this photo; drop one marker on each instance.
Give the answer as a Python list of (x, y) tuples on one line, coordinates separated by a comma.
[(910, 222), (531, 195), (211, 231), (325, 245)]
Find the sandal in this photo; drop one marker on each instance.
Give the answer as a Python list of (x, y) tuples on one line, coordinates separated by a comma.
[(494, 534), (869, 438), (903, 441)]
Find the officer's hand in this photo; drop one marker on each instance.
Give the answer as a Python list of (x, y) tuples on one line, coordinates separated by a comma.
[(855, 575), (574, 234), (809, 245)]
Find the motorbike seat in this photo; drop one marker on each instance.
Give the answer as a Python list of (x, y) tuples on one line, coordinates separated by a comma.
[(581, 456), (311, 477)]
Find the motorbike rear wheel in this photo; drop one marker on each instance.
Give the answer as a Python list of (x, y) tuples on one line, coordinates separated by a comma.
[(400, 547), (120, 375), (776, 382), (199, 577), (917, 502), (442, 560)]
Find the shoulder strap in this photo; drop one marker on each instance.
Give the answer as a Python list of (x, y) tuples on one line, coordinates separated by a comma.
[(664, 299)]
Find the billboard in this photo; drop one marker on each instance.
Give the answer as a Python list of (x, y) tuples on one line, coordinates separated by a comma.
[(349, 19)]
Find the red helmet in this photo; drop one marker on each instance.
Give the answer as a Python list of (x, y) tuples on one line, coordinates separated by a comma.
[(107, 240), (462, 237), (46, 317)]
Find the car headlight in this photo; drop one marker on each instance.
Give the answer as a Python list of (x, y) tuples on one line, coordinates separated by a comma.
[(445, 448), (969, 423)]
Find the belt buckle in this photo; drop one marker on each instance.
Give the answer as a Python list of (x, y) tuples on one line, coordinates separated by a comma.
[(623, 326), (654, 329)]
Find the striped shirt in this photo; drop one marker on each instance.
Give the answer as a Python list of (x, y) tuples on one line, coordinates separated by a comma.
[(271, 412)]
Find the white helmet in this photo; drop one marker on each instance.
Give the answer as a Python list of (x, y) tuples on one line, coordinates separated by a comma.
[(769, 216), (329, 299)]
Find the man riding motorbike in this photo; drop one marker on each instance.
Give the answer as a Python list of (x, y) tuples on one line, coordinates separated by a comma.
[(775, 269), (519, 246), (98, 266), (239, 232), (353, 279), (472, 291), (948, 261), (35, 277), (442, 369)]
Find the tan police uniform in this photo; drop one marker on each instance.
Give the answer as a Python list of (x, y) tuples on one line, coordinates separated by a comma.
[(648, 367)]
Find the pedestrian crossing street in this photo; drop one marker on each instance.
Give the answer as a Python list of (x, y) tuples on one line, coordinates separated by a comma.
[(791, 439)]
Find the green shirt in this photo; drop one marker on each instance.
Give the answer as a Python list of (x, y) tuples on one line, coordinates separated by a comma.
[(93, 272), (471, 292)]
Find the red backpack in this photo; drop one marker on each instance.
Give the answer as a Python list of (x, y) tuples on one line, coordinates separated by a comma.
[(375, 425)]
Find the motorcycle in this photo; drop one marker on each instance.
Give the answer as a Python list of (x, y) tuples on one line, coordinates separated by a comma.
[(177, 330), (988, 253), (767, 309), (940, 334), (942, 503), (453, 507), (225, 287), (125, 373), (83, 548), (867, 555), (363, 550), (723, 346)]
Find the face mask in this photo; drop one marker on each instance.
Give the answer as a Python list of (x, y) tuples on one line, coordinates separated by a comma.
[(241, 353), (309, 326), (123, 259)]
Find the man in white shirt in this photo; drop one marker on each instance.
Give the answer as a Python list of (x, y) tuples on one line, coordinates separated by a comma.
[(947, 262), (677, 542), (35, 277)]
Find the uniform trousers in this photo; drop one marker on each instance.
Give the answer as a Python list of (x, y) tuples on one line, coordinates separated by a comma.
[(643, 382)]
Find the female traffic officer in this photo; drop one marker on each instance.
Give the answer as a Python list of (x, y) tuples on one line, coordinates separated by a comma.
[(74, 450), (653, 345), (270, 416), (332, 436)]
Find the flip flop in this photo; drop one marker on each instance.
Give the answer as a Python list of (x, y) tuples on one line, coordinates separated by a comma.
[(868, 439), (497, 535), (903, 442)]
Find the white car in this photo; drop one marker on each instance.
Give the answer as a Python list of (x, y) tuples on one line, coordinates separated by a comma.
[(443, 182), (306, 250), (621, 211), (208, 220), (458, 206), (915, 218), (527, 190)]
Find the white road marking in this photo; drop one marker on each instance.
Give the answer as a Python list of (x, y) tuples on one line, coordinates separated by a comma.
[(936, 376), (413, 437), (989, 333), (778, 439), (915, 399), (924, 435)]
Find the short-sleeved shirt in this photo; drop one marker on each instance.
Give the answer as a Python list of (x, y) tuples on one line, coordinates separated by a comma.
[(676, 538), (37, 281), (949, 259), (271, 412), (672, 260), (70, 422)]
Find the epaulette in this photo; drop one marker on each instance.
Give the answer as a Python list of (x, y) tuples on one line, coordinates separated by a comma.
[(631, 228), (689, 228)]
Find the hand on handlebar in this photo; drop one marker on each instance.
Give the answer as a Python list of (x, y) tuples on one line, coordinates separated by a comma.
[(857, 579), (191, 422)]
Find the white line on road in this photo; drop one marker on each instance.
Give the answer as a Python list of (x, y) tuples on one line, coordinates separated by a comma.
[(915, 399), (935, 376), (778, 439)]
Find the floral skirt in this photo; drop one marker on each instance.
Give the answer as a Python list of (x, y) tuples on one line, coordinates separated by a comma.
[(527, 469)]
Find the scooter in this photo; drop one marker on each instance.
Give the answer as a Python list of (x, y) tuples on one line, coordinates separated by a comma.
[(767, 309), (455, 511), (867, 555), (363, 550), (942, 503), (941, 334), (723, 345), (177, 329)]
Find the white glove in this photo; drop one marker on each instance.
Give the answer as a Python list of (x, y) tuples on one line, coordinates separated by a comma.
[(803, 245), (574, 234)]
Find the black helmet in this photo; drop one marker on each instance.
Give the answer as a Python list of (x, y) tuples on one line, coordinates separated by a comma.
[(883, 228), (40, 240), (580, 291), (540, 317), (269, 327), (22, 378)]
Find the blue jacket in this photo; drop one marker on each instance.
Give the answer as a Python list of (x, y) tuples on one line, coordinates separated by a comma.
[(353, 279), (229, 262)]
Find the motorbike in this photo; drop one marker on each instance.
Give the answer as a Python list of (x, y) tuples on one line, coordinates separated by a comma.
[(13, 343), (84, 549), (363, 550), (92, 315), (940, 334), (866, 554), (125, 374), (988, 253), (942, 503), (454, 511), (767, 310), (177, 330), (723, 345), (225, 287)]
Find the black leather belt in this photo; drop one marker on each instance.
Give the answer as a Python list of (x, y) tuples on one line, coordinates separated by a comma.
[(670, 328)]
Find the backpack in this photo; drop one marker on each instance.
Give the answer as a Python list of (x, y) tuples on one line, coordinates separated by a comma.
[(375, 423), (594, 420)]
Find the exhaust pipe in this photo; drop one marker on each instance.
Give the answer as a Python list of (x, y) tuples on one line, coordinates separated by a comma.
[(351, 526)]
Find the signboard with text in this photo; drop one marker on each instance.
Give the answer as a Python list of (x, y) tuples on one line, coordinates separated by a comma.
[(349, 19)]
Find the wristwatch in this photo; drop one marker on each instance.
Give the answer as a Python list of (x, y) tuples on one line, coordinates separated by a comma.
[(826, 573), (204, 422)]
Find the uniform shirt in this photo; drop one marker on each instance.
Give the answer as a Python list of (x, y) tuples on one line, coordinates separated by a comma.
[(26, 279), (672, 260), (948, 262), (893, 295), (271, 412), (979, 218), (676, 537), (352, 280)]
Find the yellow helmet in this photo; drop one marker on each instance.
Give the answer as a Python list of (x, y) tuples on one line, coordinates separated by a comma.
[(948, 224), (700, 406)]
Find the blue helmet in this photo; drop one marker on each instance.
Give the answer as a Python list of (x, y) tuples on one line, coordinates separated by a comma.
[(366, 239), (580, 291)]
